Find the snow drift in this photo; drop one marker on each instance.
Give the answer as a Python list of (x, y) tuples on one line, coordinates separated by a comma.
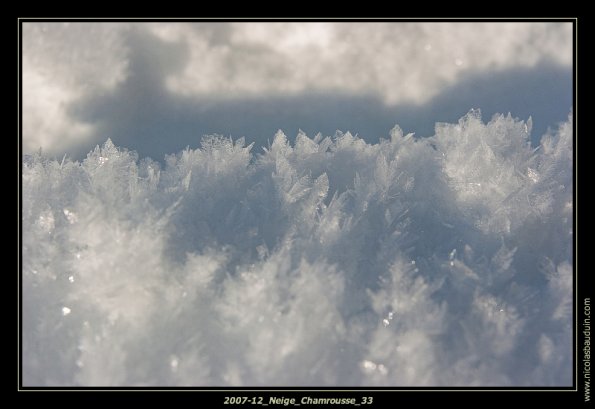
[(428, 262)]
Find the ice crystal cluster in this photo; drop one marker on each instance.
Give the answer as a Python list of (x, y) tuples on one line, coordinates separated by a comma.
[(440, 261)]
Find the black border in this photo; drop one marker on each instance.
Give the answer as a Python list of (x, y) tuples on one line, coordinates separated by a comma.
[(381, 394)]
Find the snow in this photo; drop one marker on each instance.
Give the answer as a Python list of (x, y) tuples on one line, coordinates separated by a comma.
[(440, 261), (139, 83)]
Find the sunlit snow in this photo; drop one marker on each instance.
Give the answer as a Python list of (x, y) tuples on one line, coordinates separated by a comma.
[(324, 261)]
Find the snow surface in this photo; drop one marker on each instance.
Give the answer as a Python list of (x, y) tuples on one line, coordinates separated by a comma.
[(141, 83), (330, 261)]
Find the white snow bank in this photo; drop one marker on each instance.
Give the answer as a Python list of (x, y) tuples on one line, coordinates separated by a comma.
[(70, 68), (438, 261)]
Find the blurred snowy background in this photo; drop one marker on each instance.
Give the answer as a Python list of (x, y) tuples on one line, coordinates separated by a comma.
[(314, 242), (157, 88)]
